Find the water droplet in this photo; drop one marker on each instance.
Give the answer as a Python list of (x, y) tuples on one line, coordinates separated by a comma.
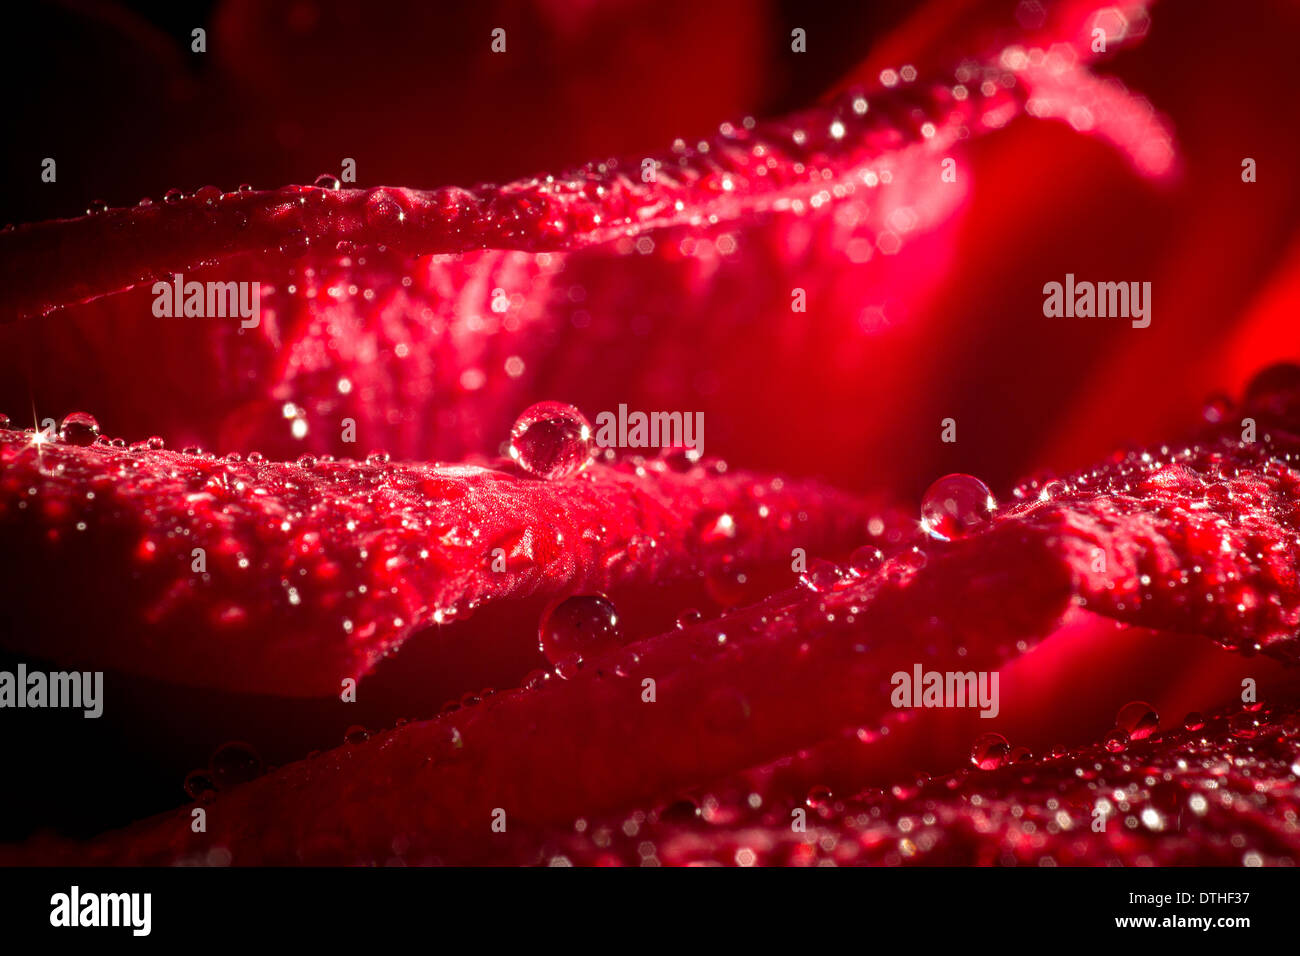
[(680, 460), (956, 505), (4, 420), (199, 786), (245, 188), (821, 576), (356, 734), (172, 196), (155, 443), (680, 811), (307, 461), (914, 558), (551, 440), (378, 458), (687, 618), (584, 624), (1244, 725), (1273, 382), (1116, 741), (819, 797), (327, 181), (866, 559), (234, 763), (79, 428), (1020, 755), (208, 195), (1193, 721), (990, 751), (1139, 719), (96, 206)]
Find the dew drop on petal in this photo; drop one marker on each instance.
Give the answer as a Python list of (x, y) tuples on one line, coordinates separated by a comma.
[(551, 440), (866, 559), (199, 785), (79, 428), (234, 763), (1193, 721), (1138, 719), (356, 734), (586, 625), (1116, 741), (821, 576), (819, 797), (955, 506), (990, 751)]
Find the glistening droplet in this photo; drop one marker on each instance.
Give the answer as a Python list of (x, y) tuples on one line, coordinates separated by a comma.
[(586, 625), (79, 428), (955, 506), (990, 752), (551, 440), (1138, 719)]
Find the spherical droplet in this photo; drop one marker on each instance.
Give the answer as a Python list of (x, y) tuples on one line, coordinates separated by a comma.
[(356, 734), (1193, 721), (173, 196), (4, 420), (326, 181), (990, 751), (96, 206), (821, 576), (79, 428), (378, 458), (199, 785), (584, 624), (866, 559), (234, 763), (687, 618), (551, 440), (1116, 741), (819, 797), (1138, 718), (1020, 755), (956, 505)]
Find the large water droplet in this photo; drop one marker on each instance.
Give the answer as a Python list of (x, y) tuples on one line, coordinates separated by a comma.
[(79, 428), (551, 440), (956, 505), (326, 181), (584, 624), (1138, 719), (990, 751), (234, 763)]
